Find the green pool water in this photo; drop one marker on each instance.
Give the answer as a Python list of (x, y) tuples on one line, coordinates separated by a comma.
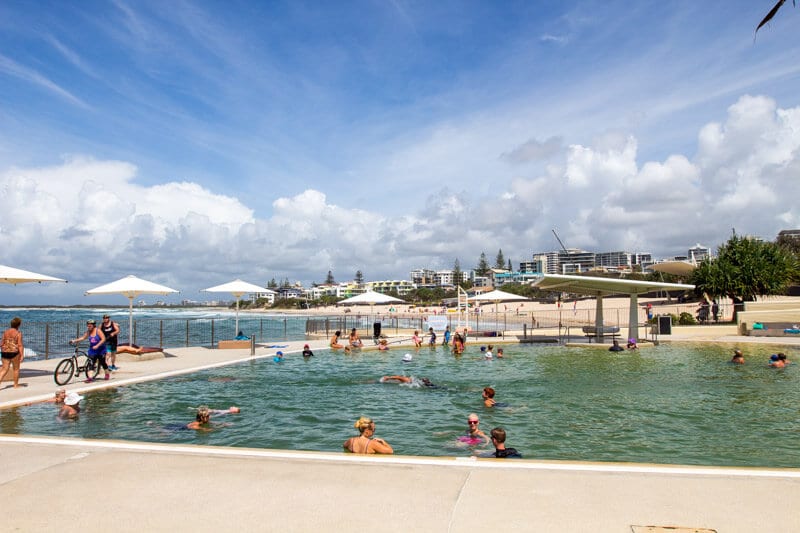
[(664, 404)]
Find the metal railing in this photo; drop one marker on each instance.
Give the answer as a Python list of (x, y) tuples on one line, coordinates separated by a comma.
[(51, 339)]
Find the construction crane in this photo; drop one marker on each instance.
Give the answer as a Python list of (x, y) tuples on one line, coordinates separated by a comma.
[(559, 241)]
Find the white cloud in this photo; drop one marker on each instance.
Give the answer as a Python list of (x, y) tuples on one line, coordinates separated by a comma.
[(91, 221)]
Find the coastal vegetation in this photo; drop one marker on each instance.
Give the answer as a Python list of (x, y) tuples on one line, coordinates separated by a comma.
[(746, 268)]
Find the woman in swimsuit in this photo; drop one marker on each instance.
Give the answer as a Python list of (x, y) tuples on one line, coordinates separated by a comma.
[(365, 443), (13, 350), (335, 340), (473, 431)]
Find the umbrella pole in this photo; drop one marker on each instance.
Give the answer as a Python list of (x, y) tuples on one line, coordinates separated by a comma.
[(237, 317), (130, 320)]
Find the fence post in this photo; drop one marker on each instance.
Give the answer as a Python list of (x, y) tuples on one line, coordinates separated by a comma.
[(47, 341), (285, 334), (161, 333), (212, 332), (187, 332)]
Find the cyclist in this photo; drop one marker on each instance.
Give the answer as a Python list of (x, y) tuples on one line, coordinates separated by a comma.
[(97, 346)]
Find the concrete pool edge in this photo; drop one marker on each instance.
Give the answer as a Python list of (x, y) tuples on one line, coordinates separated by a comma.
[(450, 461)]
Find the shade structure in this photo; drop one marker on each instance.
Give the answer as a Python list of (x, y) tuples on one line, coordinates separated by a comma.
[(370, 298), (13, 276), (238, 288), (599, 287), (676, 268), (496, 296), (130, 287)]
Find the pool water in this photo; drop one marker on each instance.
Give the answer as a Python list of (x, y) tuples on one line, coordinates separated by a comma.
[(664, 404)]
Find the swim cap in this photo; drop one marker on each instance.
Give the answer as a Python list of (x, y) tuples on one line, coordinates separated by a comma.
[(408, 358), (279, 352), (483, 348), (774, 357)]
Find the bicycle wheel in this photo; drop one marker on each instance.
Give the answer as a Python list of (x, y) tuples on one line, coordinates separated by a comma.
[(64, 371), (92, 367)]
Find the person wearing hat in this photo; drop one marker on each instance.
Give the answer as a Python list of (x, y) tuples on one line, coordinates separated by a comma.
[(738, 358), (97, 346), (631, 344), (307, 351), (72, 406)]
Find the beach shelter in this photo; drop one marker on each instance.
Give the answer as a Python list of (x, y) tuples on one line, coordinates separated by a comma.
[(130, 287), (371, 298), (13, 276), (599, 287), (238, 288), (496, 296)]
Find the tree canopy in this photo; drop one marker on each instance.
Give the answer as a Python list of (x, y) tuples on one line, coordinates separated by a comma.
[(745, 268)]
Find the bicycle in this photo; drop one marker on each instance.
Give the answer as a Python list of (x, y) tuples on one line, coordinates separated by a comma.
[(73, 366)]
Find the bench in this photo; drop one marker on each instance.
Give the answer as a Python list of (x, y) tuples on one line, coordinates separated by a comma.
[(590, 332), (233, 345), (774, 329)]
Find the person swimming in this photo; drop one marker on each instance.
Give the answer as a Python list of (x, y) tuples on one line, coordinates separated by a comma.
[(488, 397), (411, 380), (474, 433), (737, 358)]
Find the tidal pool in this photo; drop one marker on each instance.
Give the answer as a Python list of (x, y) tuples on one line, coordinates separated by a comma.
[(665, 404)]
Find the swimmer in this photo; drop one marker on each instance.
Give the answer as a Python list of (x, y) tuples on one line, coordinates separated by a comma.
[(737, 358), (473, 429), (347, 350), (366, 443), (72, 406), (58, 397), (202, 419), (489, 352), (615, 347), (488, 397), (458, 344), (499, 353), (383, 345), (232, 410), (775, 361), (631, 345), (307, 351), (278, 356), (335, 340), (405, 379)]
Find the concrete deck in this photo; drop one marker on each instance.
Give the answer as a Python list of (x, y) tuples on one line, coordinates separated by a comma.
[(53, 484)]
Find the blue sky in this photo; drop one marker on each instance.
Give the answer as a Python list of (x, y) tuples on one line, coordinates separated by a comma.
[(192, 143)]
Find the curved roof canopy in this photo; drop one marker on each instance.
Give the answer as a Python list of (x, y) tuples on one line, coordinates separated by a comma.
[(594, 285)]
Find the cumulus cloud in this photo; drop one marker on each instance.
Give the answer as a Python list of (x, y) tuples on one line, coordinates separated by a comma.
[(91, 221), (534, 150)]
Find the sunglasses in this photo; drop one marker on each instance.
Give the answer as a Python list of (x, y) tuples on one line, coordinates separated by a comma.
[(470, 422)]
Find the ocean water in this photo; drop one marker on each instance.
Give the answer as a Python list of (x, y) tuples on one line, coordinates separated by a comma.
[(48, 330), (665, 404)]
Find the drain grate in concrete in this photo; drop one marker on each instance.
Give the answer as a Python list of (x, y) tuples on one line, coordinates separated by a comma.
[(671, 529)]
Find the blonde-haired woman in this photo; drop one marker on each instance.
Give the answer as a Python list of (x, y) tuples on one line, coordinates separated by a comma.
[(365, 442)]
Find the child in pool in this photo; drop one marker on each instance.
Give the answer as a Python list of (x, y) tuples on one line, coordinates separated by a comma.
[(488, 397)]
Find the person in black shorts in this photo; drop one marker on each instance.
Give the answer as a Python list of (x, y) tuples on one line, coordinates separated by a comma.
[(111, 330)]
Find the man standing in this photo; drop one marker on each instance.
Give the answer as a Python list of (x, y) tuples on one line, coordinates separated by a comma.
[(111, 330)]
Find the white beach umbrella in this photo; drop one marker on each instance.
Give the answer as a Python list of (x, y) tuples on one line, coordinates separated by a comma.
[(496, 296), (371, 298), (15, 275), (238, 288), (131, 287)]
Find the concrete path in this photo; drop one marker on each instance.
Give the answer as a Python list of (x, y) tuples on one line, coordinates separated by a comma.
[(64, 485)]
